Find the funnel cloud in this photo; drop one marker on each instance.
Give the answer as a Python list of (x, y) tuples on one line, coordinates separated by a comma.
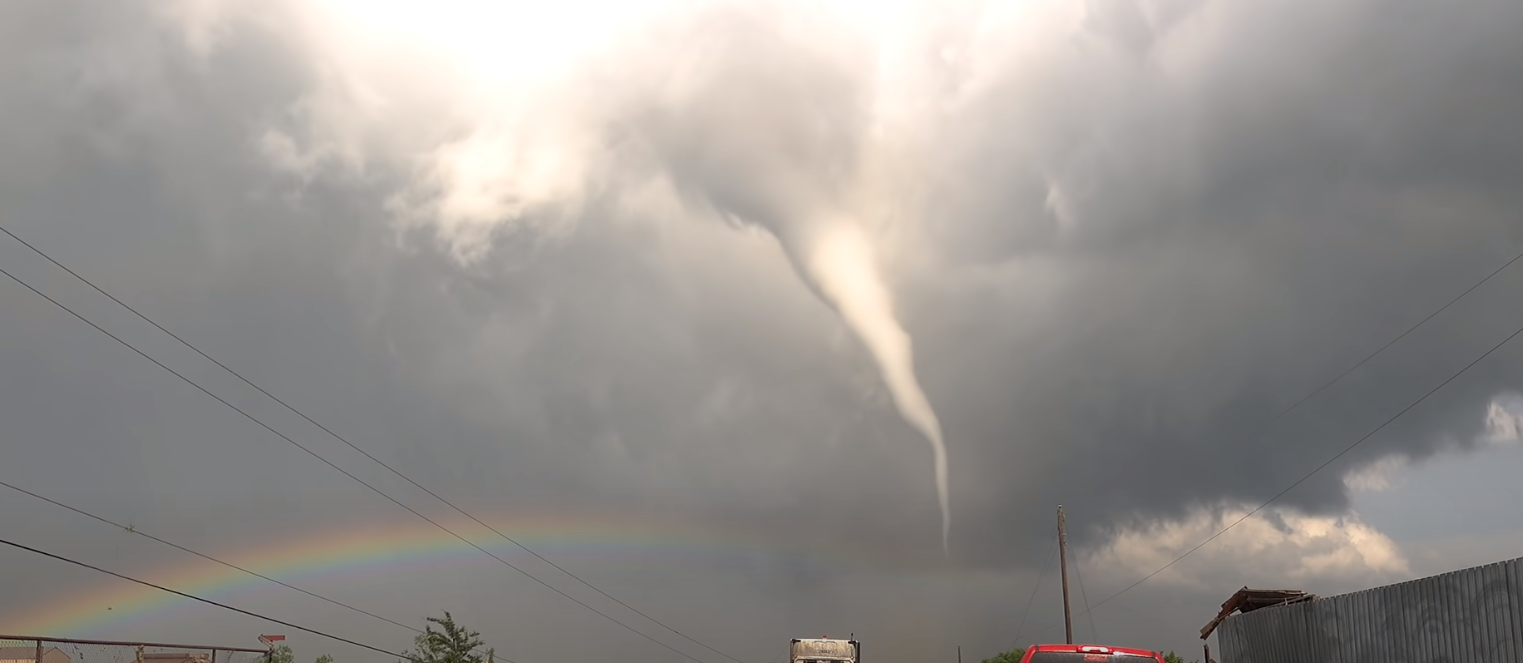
[(1127, 231), (485, 245), (843, 265)]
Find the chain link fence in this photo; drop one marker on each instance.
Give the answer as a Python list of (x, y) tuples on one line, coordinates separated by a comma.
[(32, 649)]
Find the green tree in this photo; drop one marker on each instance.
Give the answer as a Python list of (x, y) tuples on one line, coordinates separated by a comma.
[(1172, 657), (452, 644), (1012, 656), (283, 654)]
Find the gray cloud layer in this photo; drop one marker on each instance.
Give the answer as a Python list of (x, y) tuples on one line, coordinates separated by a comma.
[(1120, 247)]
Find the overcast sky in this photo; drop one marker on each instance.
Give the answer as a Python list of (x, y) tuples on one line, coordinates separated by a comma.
[(677, 293)]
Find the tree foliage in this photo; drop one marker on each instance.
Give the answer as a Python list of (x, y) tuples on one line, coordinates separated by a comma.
[(283, 654), (451, 644), (1012, 656)]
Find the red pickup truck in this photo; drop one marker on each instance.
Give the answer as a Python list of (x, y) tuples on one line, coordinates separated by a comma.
[(1089, 654)]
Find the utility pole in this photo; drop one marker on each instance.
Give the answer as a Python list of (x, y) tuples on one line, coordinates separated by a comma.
[(959, 653), (1068, 622)]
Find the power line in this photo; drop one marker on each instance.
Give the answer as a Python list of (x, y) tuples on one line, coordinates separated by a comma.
[(355, 447), (193, 597), (1314, 471), (345, 472), (1388, 344), (1034, 587), (1319, 390), (204, 556), (1093, 633)]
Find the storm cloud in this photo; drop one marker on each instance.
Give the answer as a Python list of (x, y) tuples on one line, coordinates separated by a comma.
[(1122, 237)]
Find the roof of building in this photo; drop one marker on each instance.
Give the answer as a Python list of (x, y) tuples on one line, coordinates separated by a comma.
[(28, 653), (1248, 600)]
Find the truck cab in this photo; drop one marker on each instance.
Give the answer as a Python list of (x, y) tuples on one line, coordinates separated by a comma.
[(825, 650)]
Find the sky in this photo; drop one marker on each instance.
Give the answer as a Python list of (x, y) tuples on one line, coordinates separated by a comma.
[(763, 319)]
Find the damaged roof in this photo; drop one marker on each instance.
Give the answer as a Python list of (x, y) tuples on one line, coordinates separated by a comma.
[(1248, 600)]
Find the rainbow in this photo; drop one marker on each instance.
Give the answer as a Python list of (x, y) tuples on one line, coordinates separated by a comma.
[(389, 547)]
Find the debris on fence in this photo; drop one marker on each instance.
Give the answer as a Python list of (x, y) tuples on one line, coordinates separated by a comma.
[(1248, 600)]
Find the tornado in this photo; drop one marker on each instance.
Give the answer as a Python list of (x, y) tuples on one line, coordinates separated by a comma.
[(843, 266)]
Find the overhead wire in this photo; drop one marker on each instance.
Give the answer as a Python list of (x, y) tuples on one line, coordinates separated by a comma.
[(1324, 386), (1088, 610), (1315, 470), (1034, 587), (356, 447), (346, 473), (224, 606), (1093, 632), (1391, 342), (176, 546), (1298, 403)]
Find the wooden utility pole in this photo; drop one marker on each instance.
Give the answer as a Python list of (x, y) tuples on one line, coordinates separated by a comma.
[(1068, 622), (959, 653)]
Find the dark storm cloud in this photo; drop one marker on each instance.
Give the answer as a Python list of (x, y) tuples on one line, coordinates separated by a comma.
[(1134, 251), (1245, 220), (1247, 230), (559, 381)]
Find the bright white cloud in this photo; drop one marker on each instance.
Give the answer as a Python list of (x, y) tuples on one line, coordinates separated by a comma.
[(1383, 474), (1504, 419), (506, 117), (1503, 426), (1271, 548)]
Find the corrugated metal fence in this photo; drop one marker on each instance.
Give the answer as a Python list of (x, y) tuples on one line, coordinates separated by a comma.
[(1469, 616)]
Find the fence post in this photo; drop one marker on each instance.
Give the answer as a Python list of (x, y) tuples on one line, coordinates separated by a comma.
[(39, 650)]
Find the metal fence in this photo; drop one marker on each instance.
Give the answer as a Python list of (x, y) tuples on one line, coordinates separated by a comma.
[(35, 649), (1469, 616)]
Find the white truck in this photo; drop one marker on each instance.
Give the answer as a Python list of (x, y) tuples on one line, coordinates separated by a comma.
[(825, 650)]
